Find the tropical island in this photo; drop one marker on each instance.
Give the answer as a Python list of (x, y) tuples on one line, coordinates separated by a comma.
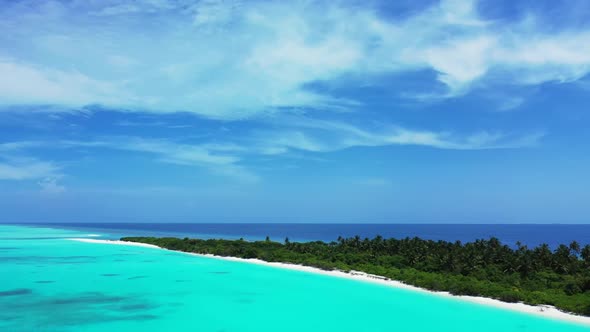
[(486, 268)]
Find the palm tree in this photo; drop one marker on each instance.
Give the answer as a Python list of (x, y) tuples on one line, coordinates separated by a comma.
[(575, 248), (586, 254), (562, 259)]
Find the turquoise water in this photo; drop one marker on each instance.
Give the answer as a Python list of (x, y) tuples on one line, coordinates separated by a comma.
[(49, 283)]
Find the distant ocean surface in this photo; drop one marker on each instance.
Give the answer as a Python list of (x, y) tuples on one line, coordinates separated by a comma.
[(529, 234)]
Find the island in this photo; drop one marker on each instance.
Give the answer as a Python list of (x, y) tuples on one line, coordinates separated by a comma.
[(485, 268)]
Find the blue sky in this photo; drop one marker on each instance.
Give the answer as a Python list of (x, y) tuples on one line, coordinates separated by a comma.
[(451, 111)]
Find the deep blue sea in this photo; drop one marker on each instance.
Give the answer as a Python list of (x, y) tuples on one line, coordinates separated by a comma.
[(529, 234)]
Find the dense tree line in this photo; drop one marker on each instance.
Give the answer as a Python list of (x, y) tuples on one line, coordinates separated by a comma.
[(540, 275)]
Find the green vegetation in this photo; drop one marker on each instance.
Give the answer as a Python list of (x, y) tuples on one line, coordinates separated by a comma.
[(482, 268)]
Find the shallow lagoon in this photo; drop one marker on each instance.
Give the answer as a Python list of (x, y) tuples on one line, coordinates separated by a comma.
[(49, 283)]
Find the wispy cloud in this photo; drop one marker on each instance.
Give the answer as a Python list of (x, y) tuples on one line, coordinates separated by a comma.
[(218, 158), (228, 59), (14, 166), (23, 83), (26, 169), (324, 136), (8, 147), (213, 157), (294, 134), (50, 185), (228, 156), (181, 154)]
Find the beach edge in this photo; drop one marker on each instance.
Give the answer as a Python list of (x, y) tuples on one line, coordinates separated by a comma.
[(545, 311)]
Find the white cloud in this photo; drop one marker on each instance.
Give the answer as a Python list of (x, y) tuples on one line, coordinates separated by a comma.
[(510, 103), (49, 185), (326, 136), (228, 156), (217, 158), (14, 167), (26, 169), (16, 146), (460, 62), (279, 142), (181, 154), (226, 59), (22, 83), (459, 12)]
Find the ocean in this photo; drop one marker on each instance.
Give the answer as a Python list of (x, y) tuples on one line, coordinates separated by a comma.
[(51, 283), (529, 234)]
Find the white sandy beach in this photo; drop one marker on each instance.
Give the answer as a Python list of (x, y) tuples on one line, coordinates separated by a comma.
[(544, 311)]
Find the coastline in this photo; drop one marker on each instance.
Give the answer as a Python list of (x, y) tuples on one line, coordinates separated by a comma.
[(541, 310)]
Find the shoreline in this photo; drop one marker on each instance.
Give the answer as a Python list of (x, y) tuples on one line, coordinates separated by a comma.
[(545, 311)]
